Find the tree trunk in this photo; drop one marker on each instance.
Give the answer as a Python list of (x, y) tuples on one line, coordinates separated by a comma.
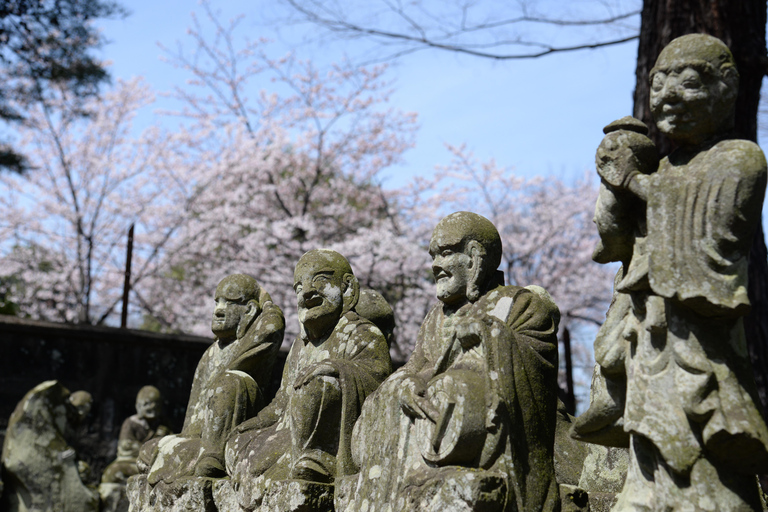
[(741, 25)]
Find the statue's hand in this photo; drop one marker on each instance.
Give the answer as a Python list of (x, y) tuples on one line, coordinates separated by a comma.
[(414, 403), (469, 332), (321, 369)]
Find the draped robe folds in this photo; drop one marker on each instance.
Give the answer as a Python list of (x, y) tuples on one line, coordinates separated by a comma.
[(517, 361), (262, 450), (689, 381), (227, 389)]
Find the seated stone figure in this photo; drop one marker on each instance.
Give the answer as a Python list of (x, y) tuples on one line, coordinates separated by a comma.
[(41, 470), (469, 422), (137, 429), (228, 383), (301, 441)]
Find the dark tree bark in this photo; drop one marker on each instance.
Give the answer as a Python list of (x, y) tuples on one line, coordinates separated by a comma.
[(741, 25)]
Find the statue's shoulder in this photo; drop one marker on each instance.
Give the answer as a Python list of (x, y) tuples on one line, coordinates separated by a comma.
[(739, 154), (503, 300), (352, 322)]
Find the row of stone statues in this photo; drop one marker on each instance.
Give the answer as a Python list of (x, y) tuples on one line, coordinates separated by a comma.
[(470, 417), (471, 421)]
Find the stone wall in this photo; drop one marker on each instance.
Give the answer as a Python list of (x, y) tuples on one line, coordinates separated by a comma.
[(112, 364)]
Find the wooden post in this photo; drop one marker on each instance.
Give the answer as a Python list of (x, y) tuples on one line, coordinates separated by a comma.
[(127, 283)]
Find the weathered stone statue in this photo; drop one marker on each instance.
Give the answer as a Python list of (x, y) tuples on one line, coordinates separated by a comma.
[(137, 429), (675, 381), (41, 470), (227, 389), (469, 422), (290, 454)]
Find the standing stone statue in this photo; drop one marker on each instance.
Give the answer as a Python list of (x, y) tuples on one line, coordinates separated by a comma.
[(227, 389), (676, 381), (289, 455), (40, 468), (137, 429), (469, 422)]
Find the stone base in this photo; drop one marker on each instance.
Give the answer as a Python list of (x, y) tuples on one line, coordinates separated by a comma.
[(461, 490), (298, 496), (181, 496), (225, 498), (113, 498)]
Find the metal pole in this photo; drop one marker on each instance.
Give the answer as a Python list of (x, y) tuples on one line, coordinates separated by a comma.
[(127, 283)]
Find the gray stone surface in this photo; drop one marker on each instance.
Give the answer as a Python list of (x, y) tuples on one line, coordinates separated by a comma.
[(673, 380), (469, 422), (292, 451), (228, 389), (41, 470)]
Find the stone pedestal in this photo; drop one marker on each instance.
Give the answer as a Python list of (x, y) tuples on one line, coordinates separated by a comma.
[(184, 495), (113, 498), (298, 496)]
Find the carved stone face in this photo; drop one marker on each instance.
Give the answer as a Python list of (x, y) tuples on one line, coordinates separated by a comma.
[(693, 89), (230, 306), (148, 404), (684, 103), (319, 286), (451, 267)]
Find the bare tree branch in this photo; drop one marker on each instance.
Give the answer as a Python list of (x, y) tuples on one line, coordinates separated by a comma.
[(498, 39)]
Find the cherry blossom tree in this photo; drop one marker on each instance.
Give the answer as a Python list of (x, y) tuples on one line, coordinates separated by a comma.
[(64, 225), (281, 170)]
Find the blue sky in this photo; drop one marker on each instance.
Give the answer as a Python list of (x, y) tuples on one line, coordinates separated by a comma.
[(542, 116)]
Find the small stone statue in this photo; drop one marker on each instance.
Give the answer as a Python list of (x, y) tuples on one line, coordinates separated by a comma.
[(674, 381), (41, 470), (227, 389), (469, 422), (290, 454), (137, 429)]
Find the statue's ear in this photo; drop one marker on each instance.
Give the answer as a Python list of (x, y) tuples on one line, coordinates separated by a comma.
[(351, 293), (251, 312), (476, 254)]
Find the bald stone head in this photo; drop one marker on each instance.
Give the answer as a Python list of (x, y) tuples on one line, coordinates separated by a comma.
[(82, 402), (236, 305), (466, 251), (374, 307), (149, 403), (326, 288), (693, 89)]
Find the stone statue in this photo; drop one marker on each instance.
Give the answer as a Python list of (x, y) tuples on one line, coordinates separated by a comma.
[(137, 429), (674, 381), (290, 454), (227, 389), (41, 470), (469, 422), (374, 307)]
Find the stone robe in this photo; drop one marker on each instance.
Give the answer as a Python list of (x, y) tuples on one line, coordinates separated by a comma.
[(134, 432), (492, 448), (316, 419), (689, 379), (40, 468), (227, 389)]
